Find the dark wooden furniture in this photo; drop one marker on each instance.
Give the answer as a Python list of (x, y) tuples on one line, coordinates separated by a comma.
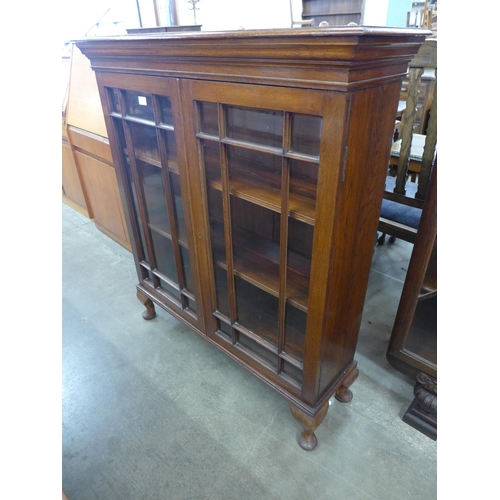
[(403, 199), (334, 12), (413, 346), (425, 96), (164, 29), (252, 166)]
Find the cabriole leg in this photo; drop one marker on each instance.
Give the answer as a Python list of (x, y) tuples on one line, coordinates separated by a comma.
[(149, 313), (344, 394), (307, 438)]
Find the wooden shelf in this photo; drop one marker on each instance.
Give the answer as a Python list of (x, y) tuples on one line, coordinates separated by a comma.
[(256, 260), (299, 207)]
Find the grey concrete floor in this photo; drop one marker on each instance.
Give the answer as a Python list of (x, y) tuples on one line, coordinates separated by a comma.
[(152, 411)]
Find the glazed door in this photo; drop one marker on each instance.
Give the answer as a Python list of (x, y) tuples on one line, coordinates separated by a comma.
[(258, 152), (145, 123)]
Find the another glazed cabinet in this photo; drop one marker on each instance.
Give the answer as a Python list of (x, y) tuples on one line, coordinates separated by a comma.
[(252, 165)]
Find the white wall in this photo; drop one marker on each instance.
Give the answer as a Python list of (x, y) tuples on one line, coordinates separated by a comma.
[(375, 12), (215, 15)]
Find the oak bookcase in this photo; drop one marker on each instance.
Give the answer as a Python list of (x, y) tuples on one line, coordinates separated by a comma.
[(252, 165)]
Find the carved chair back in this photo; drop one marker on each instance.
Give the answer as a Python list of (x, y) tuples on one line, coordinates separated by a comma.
[(408, 178)]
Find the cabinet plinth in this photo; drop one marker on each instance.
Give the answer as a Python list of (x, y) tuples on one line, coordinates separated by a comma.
[(252, 166)]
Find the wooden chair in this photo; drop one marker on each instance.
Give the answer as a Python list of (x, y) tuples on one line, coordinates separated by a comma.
[(411, 164)]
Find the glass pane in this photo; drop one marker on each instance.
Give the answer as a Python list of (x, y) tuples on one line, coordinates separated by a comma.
[(115, 101), (221, 291), (253, 172), (208, 118), (128, 174), (164, 256), (253, 125), (422, 336), (306, 134), (154, 195), (173, 292), (225, 328), (139, 105), (179, 207), (299, 252), (304, 181), (295, 332), (147, 276), (145, 143), (216, 225), (191, 305), (186, 266), (268, 357), (257, 310), (166, 111), (292, 371), (211, 161), (256, 232), (171, 149)]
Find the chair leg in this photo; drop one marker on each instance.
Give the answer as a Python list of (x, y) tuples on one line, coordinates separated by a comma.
[(381, 239)]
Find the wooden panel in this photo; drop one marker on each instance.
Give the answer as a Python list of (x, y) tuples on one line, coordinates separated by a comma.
[(84, 108), (72, 189), (90, 143), (99, 180), (368, 149)]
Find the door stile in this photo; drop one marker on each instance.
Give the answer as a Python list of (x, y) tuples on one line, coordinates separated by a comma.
[(190, 174), (285, 187), (140, 196), (123, 181), (333, 140), (172, 214), (228, 236)]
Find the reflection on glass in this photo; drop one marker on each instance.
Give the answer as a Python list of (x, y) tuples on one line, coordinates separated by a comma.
[(166, 111), (139, 105), (154, 196), (186, 267), (255, 228), (164, 256), (304, 179), (264, 354), (216, 225), (293, 372), (258, 126), (145, 143), (225, 328), (173, 292), (255, 167), (299, 252), (208, 118), (171, 149), (191, 305), (143, 251), (179, 207), (306, 134), (221, 291), (295, 332), (211, 160), (257, 310), (115, 100)]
